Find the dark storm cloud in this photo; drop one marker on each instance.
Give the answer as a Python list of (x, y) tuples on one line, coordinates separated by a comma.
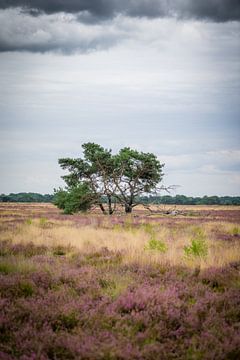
[(215, 10), (21, 31), (80, 26)]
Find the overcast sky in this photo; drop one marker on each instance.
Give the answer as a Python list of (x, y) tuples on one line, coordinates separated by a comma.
[(161, 76)]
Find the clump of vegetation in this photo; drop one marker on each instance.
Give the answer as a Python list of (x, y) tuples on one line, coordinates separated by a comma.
[(154, 244), (235, 231), (59, 251), (77, 198), (69, 310), (196, 248), (198, 245), (29, 221), (6, 268), (16, 264), (103, 300), (65, 321), (43, 222), (149, 229), (103, 256)]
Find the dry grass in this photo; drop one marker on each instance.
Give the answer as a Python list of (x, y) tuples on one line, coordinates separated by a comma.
[(191, 207), (223, 246)]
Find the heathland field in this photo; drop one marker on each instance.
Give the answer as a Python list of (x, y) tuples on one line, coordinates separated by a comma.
[(146, 286)]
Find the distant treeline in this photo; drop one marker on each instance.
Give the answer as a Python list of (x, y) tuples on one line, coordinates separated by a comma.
[(166, 199), (186, 200), (26, 197)]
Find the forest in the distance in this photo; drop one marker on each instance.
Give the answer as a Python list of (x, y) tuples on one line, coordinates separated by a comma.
[(165, 199)]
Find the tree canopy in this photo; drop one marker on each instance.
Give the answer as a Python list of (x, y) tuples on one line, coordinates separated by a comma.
[(121, 178)]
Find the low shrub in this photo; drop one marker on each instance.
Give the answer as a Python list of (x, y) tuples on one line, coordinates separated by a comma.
[(154, 244), (235, 231), (196, 248)]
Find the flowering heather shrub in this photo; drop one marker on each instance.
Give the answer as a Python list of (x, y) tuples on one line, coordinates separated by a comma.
[(12, 265), (4, 247), (221, 279), (103, 256), (94, 306), (28, 250)]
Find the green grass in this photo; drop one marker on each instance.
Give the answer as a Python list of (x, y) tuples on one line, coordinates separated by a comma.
[(16, 264), (197, 248), (235, 231), (154, 244)]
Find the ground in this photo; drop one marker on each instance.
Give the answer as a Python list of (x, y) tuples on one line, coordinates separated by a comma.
[(120, 287)]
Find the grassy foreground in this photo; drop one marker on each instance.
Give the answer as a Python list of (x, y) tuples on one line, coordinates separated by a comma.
[(119, 288)]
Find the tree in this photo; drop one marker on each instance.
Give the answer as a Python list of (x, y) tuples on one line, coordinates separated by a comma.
[(94, 170), (135, 173), (120, 178)]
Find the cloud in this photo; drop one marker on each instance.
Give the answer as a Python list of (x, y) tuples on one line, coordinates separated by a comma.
[(57, 32), (83, 26), (215, 10), (63, 32), (210, 162)]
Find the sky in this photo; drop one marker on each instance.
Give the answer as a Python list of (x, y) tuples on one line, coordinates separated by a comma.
[(160, 76)]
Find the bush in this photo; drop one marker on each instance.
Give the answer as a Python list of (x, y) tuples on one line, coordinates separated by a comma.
[(78, 198), (198, 248), (154, 244)]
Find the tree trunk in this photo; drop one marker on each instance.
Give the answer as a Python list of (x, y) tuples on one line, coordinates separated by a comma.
[(110, 209), (102, 208), (128, 209)]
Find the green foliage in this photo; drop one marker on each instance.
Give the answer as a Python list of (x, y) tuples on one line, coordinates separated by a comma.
[(43, 222), (78, 198), (149, 228), (6, 268), (25, 289), (166, 199), (26, 197), (154, 244), (194, 354), (118, 178), (197, 248), (29, 221), (61, 250), (8, 265), (60, 198), (136, 173), (188, 200), (235, 231), (65, 322)]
